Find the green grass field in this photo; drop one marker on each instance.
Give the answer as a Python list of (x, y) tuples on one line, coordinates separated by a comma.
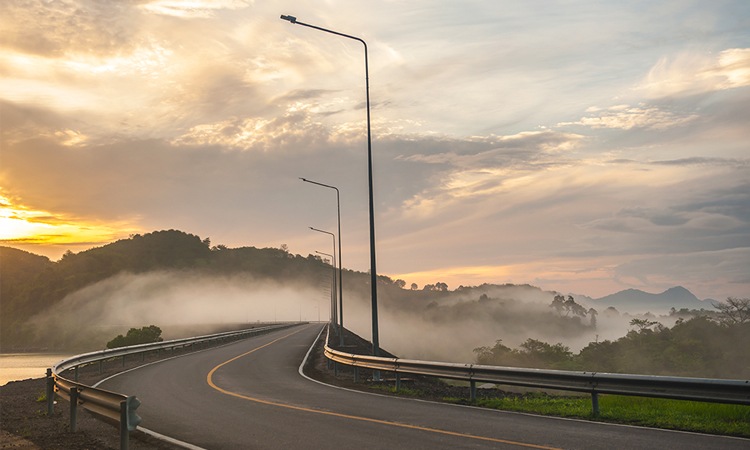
[(701, 417)]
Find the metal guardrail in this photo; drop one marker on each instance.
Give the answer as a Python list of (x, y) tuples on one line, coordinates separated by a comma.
[(695, 389), (119, 407)]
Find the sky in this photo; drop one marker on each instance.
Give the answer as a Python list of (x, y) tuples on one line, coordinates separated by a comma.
[(579, 146)]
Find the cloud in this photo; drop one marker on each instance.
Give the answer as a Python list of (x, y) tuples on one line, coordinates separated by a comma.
[(524, 150), (644, 117), (691, 73), (193, 9), (68, 26)]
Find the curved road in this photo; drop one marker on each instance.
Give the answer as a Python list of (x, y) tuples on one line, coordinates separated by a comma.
[(250, 395)]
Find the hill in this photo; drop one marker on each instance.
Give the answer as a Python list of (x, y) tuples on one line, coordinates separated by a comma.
[(31, 284), (144, 269)]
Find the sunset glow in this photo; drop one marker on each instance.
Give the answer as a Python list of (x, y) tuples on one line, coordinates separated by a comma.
[(48, 234), (508, 144)]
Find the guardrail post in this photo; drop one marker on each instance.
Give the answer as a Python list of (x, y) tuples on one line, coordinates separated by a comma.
[(335, 369), (123, 360), (329, 364), (50, 393), (398, 381), (172, 354), (76, 375), (73, 409), (159, 353), (376, 375), (595, 402), (143, 356), (124, 432), (473, 391), (356, 374), (101, 366)]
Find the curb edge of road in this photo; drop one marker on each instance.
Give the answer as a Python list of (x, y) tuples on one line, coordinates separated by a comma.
[(304, 362)]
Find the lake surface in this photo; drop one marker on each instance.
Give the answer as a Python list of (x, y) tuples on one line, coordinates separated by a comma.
[(22, 366)]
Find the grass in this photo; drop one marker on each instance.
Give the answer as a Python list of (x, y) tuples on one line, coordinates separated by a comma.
[(403, 391), (733, 420)]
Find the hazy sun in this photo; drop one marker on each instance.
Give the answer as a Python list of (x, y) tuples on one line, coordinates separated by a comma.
[(20, 225)]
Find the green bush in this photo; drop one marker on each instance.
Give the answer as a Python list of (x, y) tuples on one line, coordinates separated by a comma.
[(145, 335)]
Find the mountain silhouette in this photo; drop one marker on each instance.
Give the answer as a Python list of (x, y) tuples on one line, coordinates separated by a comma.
[(635, 300)]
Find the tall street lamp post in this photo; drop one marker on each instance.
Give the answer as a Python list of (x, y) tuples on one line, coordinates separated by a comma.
[(373, 272), (333, 258), (341, 286), (333, 285)]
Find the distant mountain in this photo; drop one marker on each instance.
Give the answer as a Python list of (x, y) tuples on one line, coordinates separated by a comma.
[(637, 301)]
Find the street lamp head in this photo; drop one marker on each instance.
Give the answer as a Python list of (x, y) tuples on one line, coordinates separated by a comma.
[(302, 179), (291, 19)]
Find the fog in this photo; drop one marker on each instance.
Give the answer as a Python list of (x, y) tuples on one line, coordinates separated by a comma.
[(181, 303), (439, 326), (449, 329)]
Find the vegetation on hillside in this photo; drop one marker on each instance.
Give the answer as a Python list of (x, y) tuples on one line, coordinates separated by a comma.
[(698, 347), (32, 284)]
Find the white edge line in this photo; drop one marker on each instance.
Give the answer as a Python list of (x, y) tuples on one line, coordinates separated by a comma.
[(571, 419), (170, 439), (152, 433)]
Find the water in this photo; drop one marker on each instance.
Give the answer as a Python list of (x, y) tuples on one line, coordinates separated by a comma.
[(22, 366)]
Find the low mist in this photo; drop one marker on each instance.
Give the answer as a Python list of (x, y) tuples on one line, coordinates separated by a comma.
[(450, 328), (439, 326), (181, 303)]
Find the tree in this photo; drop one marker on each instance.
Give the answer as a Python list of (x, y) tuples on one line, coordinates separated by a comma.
[(568, 306), (135, 336), (642, 324), (734, 310), (414, 286), (592, 312), (400, 283), (440, 286)]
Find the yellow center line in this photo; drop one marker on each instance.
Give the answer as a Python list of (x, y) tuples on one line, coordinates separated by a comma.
[(346, 416)]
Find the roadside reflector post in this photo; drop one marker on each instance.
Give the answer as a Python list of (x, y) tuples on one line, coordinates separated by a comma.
[(50, 393), (124, 432), (595, 402), (73, 409), (129, 420)]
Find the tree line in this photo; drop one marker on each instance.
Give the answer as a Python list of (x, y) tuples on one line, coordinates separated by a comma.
[(707, 346)]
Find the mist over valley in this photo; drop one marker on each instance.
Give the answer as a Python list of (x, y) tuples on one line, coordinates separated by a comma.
[(187, 287)]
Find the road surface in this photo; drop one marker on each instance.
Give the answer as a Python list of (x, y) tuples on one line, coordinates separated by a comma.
[(250, 395)]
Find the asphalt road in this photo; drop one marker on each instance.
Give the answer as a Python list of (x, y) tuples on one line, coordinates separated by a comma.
[(250, 395)]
